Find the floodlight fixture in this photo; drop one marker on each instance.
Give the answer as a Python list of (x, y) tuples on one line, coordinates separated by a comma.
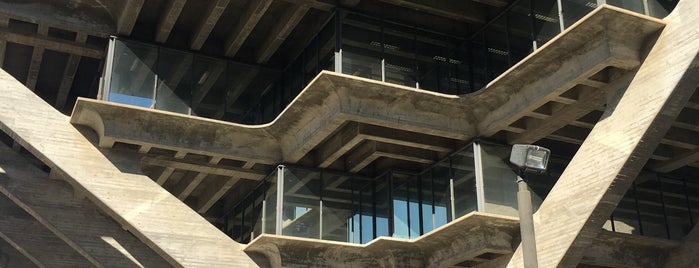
[(530, 158)]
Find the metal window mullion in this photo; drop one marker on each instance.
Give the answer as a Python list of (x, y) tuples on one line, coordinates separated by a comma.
[(638, 210), (107, 81), (280, 199), (478, 166), (662, 202), (320, 207), (391, 210), (561, 21), (451, 192), (686, 198), (419, 205)]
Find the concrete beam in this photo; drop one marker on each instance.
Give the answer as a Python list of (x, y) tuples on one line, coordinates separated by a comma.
[(19, 228), (52, 44), (37, 57), (369, 151), (452, 9), (165, 175), (215, 189), (167, 19), (251, 16), (206, 25), (686, 254), (316, 4), (12, 257), (619, 145), (203, 167), (677, 161), (495, 3), (187, 185), (67, 81), (128, 16), (53, 204), (589, 100), (277, 35)]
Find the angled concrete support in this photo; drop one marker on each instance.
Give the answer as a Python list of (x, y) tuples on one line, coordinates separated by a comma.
[(619, 145), (135, 201)]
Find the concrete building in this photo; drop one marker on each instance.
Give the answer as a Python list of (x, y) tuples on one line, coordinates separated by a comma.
[(349, 133)]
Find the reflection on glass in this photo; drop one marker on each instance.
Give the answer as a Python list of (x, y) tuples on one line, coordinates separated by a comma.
[(546, 24), (270, 205), (301, 203), (499, 181), (336, 192), (573, 10), (132, 79), (465, 199), (174, 81)]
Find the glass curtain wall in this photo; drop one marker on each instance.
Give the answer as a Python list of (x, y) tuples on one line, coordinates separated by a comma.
[(155, 77), (342, 207)]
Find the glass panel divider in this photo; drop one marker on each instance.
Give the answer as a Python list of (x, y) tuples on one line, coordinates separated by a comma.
[(478, 166)]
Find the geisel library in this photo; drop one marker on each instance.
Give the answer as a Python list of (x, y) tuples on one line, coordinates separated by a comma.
[(347, 133)]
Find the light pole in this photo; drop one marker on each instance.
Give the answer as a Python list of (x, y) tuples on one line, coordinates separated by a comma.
[(532, 159)]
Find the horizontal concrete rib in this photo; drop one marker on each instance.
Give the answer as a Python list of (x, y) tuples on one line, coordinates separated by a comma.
[(332, 100), (152, 214), (53, 204), (204, 168), (52, 44)]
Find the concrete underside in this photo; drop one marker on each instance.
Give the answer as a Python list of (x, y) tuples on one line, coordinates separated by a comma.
[(357, 125), (472, 240)]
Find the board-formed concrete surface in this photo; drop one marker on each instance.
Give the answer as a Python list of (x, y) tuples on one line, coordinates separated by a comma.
[(75, 220), (565, 71), (137, 203), (619, 145)]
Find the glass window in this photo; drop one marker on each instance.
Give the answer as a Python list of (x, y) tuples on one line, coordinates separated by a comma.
[(633, 5), (337, 206), (208, 87), (133, 78), (499, 181), (270, 204), (174, 81), (361, 46), (519, 31), (661, 8), (464, 180), (401, 210), (546, 24), (573, 10), (301, 203)]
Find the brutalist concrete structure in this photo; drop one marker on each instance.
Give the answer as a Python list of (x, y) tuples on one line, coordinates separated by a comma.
[(313, 133)]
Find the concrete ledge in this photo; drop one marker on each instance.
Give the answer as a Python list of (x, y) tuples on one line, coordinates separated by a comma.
[(608, 38), (473, 237)]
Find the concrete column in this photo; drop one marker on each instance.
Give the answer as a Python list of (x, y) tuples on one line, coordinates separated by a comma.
[(619, 145)]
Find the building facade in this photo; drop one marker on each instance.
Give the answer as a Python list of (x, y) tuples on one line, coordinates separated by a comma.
[(347, 133)]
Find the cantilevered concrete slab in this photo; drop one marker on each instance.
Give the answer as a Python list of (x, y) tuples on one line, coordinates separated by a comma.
[(137, 203), (619, 145), (580, 63), (476, 237), (473, 240)]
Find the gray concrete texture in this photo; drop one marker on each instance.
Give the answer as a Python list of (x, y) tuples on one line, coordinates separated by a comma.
[(137, 203), (619, 145)]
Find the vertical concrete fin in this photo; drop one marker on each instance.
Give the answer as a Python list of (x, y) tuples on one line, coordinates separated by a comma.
[(619, 145)]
